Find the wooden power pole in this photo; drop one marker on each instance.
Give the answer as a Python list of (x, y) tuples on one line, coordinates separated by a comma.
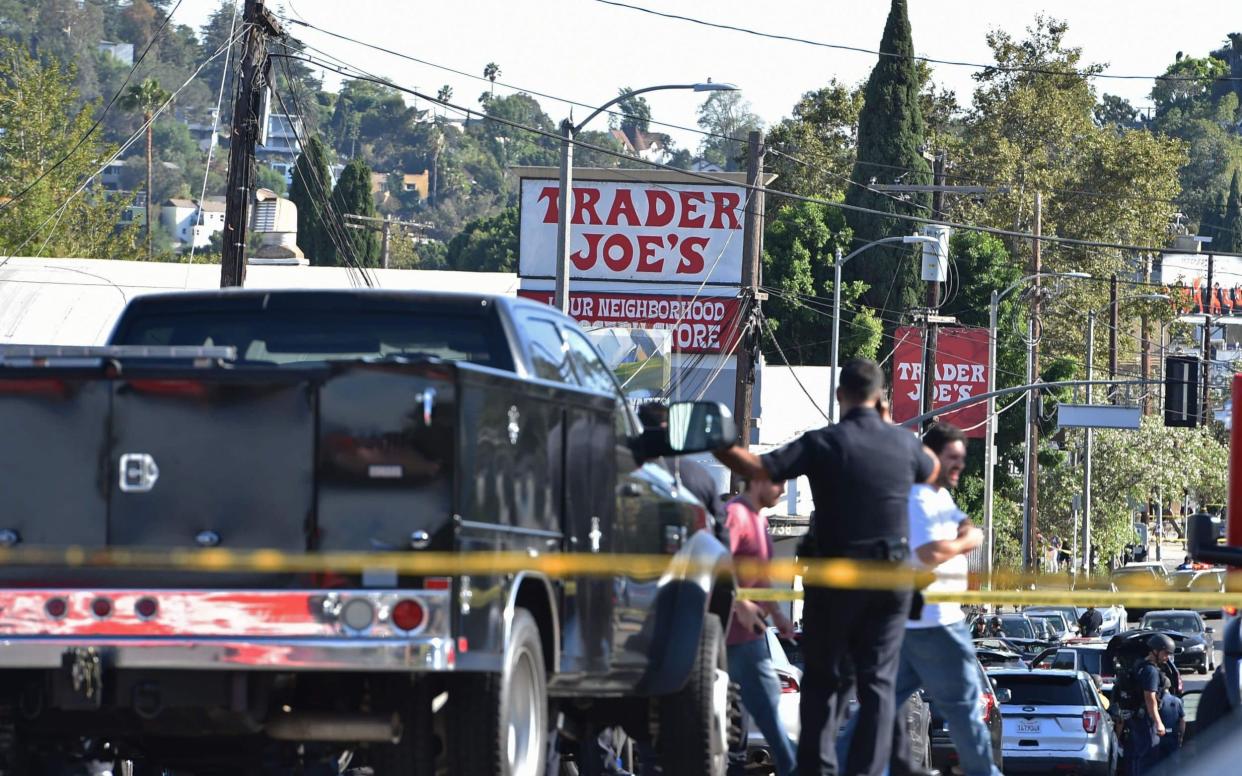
[(752, 250), (244, 135)]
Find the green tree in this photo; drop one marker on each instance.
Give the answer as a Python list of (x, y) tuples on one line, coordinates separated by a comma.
[(41, 125), (890, 135), (728, 119), (817, 142), (635, 113), (1116, 112), (1187, 80), (352, 195), (146, 98), (309, 193), (486, 245), (1230, 230), (1132, 468), (799, 246), (1211, 218)]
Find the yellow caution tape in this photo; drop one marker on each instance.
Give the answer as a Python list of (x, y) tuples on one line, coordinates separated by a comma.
[(839, 573)]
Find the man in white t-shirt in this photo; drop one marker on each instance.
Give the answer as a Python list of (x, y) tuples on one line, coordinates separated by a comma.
[(938, 654)]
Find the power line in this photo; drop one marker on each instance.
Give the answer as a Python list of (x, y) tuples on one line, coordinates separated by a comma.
[(930, 60), (792, 372), (723, 182), (463, 73), (99, 120)]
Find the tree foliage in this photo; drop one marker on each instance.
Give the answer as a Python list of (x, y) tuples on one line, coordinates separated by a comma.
[(308, 192), (486, 245), (799, 244), (39, 131), (727, 119), (352, 195), (1230, 230), (890, 138), (1131, 469), (635, 113)]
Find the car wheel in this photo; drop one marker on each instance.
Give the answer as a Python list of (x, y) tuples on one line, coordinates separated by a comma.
[(693, 723), (498, 723), (1203, 667)]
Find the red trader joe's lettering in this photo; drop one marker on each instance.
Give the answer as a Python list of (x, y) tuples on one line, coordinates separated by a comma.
[(662, 208)]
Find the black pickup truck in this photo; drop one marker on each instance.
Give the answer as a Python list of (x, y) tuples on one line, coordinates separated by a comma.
[(362, 422)]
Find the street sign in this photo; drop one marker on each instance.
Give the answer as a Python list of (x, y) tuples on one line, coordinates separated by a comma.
[(1098, 416)]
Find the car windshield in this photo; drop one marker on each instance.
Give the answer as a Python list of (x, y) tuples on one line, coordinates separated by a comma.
[(1018, 628), (1056, 621), (1040, 689), (1181, 623), (292, 337)]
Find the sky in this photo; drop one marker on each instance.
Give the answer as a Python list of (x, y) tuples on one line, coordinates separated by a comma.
[(585, 50)]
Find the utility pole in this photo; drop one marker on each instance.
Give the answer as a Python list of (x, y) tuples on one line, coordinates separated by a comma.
[(1145, 347), (247, 113), (384, 225), (930, 328), (1114, 320), (1207, 343), (1034, 401), (752, 250)]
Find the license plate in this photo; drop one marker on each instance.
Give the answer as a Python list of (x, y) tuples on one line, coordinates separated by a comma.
[(1028, 727)]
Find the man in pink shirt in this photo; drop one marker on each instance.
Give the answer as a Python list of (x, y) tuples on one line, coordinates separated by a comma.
[(750, 665)]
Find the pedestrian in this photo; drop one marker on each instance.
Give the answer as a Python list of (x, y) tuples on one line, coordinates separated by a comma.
[(979, 629), (1089, 622), (860, 471), (937, 654), (1064, 555), (995, 630), (750, 664), (1140, 706)]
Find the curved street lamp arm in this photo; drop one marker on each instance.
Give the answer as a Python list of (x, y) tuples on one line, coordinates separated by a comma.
[(578, 127), (905, 238)]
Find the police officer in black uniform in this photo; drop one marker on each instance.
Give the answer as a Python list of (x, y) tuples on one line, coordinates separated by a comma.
[(861, 471)]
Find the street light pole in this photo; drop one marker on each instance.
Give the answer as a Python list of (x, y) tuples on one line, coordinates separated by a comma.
[(564, 198), (1086, 457), (836, 307), (989, 443)]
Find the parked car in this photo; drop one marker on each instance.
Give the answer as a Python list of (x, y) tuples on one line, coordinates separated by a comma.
[(943, 754), (1196, 641), (790, 677), (998, 653), (1139, 577), (1055, 721), (1125, 649), (1085, 656), (1061, 626), (1200, 581)]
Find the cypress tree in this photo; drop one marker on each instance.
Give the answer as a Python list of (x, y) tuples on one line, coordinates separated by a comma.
[(353, 195), (890, 135), (309, 192), (1231, 230), (1210, 219)]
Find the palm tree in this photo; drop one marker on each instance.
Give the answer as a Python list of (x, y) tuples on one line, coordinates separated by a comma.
[(491, 71), (146, 97)]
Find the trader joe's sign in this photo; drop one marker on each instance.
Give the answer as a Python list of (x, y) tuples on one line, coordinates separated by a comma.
[(630, 231), (961, 372)]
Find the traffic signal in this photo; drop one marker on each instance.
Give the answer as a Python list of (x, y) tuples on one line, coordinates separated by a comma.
[(1181, 392)]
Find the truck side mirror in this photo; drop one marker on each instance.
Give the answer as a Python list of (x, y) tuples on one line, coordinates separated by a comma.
[(699, 426)]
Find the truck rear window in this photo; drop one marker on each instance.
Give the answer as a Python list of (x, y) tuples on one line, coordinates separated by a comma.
[(292, 337), (1040, 689)]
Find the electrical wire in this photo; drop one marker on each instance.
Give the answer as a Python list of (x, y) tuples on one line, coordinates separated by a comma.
[(99, 120), (215, 128), (58, 214), (333, 220), (1050, 239), (793, 373), (929, 60)]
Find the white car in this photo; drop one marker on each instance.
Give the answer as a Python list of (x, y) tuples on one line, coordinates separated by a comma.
[(790, 677), (1054, 721)]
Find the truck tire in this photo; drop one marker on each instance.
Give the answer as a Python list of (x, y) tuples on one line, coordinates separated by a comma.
[(692, 737), (415, 753), (498, 723)]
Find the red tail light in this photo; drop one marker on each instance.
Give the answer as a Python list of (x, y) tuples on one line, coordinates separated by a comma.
[(101, 608), (146, 608), (988, 701), (407, 614), (438, 583), (788, 683), (1090, 720), (56, 607), (1231, 610)]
